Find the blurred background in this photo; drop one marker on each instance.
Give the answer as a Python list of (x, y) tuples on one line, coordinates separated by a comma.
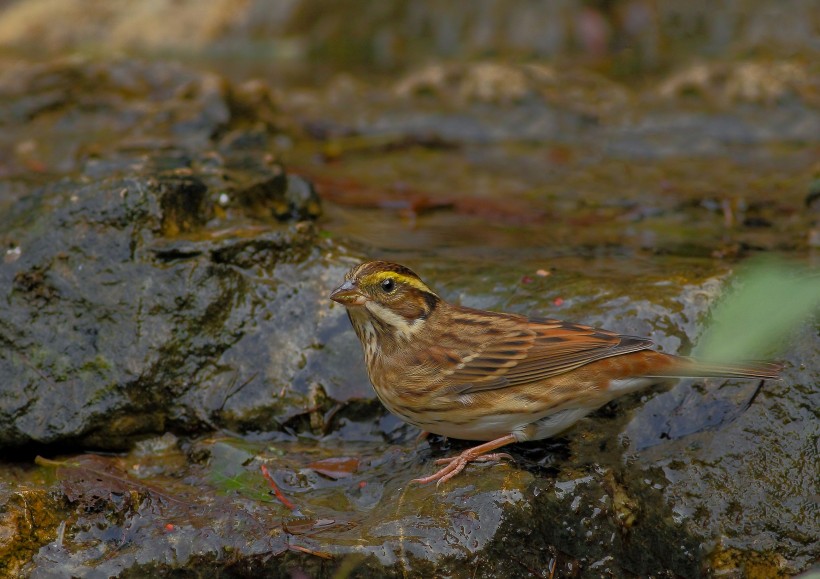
[(313, 39), (663, 126), (674, 123)]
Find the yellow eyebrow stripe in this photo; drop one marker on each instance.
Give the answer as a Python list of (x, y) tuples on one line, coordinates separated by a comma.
[(376, 278)]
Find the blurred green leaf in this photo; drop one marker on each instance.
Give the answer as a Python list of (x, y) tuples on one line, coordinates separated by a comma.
[(754, 321)]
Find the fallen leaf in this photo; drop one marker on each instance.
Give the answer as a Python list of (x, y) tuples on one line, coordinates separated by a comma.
[(336, 468)]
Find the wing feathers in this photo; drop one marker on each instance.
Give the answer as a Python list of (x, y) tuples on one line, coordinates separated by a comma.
[(527, 350)]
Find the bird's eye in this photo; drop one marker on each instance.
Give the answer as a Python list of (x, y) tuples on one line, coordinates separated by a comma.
[(388, 285)]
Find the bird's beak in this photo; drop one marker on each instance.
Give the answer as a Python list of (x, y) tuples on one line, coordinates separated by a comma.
[(348, 295)]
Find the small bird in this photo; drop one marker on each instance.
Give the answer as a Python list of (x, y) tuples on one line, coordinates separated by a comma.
[(495, 377)]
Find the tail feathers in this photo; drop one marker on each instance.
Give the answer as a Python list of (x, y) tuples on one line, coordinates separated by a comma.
[(690, 368)]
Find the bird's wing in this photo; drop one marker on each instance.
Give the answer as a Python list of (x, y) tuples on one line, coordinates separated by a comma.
[(515, 350)]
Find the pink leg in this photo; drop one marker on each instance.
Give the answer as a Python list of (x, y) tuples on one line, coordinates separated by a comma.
[(476, 454)]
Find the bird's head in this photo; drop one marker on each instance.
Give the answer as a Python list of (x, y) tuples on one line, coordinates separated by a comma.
[(390, 295)]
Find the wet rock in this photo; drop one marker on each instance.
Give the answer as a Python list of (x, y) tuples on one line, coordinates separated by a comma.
[(671, 485), (98, 117), (29, 519), (109, 312), (183, 202), (270, 193), (176, 288)]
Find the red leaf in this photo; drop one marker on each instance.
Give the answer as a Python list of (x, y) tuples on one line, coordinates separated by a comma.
[(336, 468)]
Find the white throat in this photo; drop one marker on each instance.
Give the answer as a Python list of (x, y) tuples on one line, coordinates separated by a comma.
[(403, 328)]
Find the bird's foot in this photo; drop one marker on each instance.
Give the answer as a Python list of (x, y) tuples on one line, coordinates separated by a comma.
[(492, 457), (456, 464)]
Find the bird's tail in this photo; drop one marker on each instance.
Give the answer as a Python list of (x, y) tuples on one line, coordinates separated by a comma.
[(692, 368)]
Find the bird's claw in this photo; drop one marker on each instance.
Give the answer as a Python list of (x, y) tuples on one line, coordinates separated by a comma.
[(456, 464)]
